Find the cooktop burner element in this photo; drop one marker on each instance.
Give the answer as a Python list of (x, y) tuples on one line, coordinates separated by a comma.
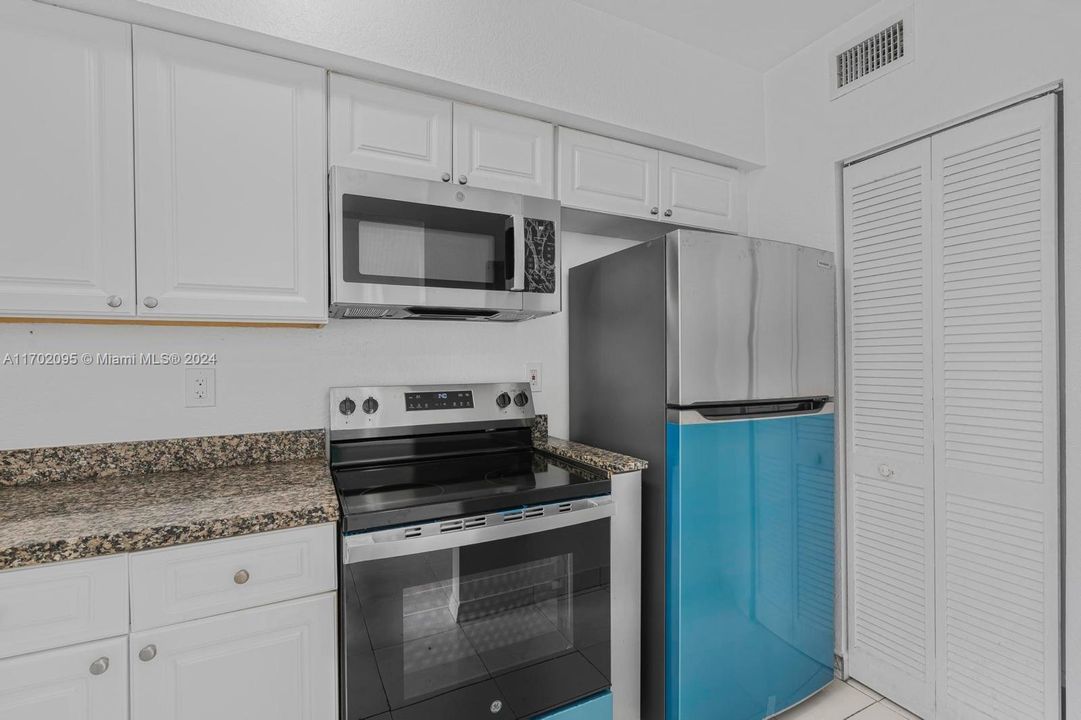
[(401, 464)]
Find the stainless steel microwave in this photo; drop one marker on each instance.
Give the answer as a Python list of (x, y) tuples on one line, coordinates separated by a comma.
[(416, 249)]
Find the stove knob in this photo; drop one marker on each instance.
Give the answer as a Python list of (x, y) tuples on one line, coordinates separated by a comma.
[(521, 399), (369, 406), (502, 400), (347, 406)]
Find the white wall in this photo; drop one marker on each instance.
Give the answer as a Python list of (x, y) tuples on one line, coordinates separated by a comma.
[(557, 54), (970, 54), (267, 378)]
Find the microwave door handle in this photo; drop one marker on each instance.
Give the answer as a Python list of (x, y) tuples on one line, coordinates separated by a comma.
[(365, 547), (517, 282)]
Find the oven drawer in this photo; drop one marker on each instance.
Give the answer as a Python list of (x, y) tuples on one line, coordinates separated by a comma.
[(208, 578), (62, 604)]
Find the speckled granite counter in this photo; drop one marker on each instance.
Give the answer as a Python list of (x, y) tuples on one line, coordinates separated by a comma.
[(602, 460), (102, 513)]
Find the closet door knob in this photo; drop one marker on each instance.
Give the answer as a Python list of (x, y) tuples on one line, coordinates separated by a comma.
[(668, 212), (150, 302), (99, 666), (148, 653), (114, 301), (462, 179), (446, 177), (654, 210), (885, 471)]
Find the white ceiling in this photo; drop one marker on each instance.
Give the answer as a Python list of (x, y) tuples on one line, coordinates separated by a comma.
[(755, 33)]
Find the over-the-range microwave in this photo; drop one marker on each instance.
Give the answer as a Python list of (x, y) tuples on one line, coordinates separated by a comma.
[(416, 249)]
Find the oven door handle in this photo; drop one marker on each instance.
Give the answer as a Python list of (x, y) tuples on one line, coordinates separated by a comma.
[(382, 544), (517, 281)]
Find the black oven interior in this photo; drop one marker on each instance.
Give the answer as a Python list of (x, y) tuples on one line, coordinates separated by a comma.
[(509, 628)]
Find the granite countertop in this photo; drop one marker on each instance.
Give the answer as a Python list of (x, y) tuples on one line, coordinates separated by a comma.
[(605, 461), (48, 520)]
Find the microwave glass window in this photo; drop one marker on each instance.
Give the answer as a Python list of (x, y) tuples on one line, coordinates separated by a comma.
[(400, 243)]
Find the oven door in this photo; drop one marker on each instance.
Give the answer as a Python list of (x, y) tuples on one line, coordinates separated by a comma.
[(415, 243), (510, 621)]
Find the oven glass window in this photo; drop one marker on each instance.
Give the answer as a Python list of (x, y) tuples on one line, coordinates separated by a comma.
[(520, 624), (391, 242)]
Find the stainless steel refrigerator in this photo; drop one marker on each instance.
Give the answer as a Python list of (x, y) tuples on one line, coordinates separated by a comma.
[(713, 357)]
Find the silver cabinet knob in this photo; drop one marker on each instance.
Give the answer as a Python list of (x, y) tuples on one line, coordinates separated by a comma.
[(99, 666), (241, 577), (885, 471), (150, 302), (668, 212), (148, 653), (114, 301), (462, 179), (446, 177), (654, 210)]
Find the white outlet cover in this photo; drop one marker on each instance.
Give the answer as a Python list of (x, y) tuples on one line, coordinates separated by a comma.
[(200, 387), (533, 372)]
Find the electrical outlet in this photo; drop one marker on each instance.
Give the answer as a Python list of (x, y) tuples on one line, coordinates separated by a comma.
[(533, 372), (199, 390)]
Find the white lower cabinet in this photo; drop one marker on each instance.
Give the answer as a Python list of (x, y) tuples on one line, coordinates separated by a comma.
[(82, 682), (275, 662)]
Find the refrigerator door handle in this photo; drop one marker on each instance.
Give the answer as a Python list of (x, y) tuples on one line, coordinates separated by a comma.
[(750, 411)]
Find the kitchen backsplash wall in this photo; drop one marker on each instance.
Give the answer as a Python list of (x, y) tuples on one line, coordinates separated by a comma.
[(266, 378)]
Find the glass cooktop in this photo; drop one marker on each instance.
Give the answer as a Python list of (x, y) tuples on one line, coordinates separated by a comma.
[(420, 491)]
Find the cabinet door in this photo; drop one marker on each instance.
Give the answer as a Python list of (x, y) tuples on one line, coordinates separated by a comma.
[(82, 682), (888, 310), (276, 662), (701, 194), (997, 398), (499, 151), (598, 173), (67, 216), (384, 129), (231, 178)]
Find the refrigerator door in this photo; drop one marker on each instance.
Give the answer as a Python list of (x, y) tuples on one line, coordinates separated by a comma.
[(750, 544), (748, 319)]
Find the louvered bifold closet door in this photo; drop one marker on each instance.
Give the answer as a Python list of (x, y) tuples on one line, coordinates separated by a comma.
[(996, 388), (889, 432)]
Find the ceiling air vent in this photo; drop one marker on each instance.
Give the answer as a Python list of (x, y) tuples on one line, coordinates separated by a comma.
[(859, 62)]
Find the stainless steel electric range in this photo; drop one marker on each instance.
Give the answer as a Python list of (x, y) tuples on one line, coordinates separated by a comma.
[(475, 571)]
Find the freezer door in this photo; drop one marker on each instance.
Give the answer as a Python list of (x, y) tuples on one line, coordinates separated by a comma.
[(748, 319)]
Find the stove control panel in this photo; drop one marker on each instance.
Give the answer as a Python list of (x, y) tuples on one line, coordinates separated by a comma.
[(370, 411)]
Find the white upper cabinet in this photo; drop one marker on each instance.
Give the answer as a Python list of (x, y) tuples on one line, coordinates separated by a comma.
[(610, 176), (276, 662), (82, 682), (231, 178), (701, 194), (67, 218), (384, 129), (500, 151)]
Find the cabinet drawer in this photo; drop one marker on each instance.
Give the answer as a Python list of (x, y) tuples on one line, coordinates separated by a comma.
[(54, 605), (88, 682), (194, 581)]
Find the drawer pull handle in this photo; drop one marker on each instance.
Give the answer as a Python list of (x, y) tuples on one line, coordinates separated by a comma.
[(99, 666), (241, 577), (148, 653)]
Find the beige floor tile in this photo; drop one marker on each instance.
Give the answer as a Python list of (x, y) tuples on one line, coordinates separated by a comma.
[(878, 711), (900, 710), (836, 701), (864, 689)]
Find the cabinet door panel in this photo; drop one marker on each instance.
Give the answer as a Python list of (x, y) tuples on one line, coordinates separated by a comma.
[(59, 684), (384, 129), (499, 151), (598, 173), (67, 215), (231, 182), (702, 194), (276, 662)]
